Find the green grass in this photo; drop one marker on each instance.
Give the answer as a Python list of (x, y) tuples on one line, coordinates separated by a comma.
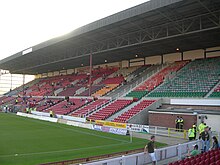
[(36, 141)]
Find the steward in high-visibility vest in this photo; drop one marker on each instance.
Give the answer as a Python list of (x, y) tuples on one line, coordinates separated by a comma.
[(177, 123), (195, 130), (51, 113), (191, 134), (201, 127), (27, 110), (181, 124), (30, 109)]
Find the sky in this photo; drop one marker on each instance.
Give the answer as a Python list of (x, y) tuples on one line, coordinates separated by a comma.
[(25, 23)]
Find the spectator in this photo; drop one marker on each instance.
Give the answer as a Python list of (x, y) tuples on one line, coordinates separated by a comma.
[(215, 144), (150, 149), (194, 152), (205, 139)]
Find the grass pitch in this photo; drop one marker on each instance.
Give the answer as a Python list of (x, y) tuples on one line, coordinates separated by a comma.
[(25, 141)]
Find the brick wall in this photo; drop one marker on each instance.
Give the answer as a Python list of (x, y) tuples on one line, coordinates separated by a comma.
[(168, 120)]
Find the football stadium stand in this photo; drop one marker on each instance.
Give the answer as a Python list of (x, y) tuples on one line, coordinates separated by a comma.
[(155, 61)]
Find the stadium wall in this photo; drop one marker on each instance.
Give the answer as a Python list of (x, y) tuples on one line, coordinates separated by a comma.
[(212, 121), (169, 119), (194, 54), (172, 57), (153, 60), (215, 52)]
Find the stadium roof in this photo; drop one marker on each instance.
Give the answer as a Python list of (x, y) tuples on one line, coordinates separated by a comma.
[(152, 28)]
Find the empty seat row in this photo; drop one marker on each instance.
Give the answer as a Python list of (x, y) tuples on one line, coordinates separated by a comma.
[(90, 107), (133, 111), (109, 110), (211, 157)]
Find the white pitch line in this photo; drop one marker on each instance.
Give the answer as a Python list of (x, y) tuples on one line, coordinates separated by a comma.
[(58, 151)]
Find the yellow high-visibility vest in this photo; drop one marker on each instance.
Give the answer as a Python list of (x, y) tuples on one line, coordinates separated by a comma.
[(191, 132), (201, 127)]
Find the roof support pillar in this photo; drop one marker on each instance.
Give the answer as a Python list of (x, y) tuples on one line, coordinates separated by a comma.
[(90, 75)]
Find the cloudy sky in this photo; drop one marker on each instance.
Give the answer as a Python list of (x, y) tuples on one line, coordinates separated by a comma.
[(25, 23)]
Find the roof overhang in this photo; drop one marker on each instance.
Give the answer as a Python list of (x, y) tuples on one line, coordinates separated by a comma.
[(152, 28)]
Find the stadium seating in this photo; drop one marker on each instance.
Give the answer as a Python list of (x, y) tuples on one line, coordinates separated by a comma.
[(47, 103), (216, 92), (5, 99), (94, 89), (109, 110), (114, 80), (90, 107), (211, 157), (109, 84), (194, 80), (158, 78), (70, 91), (104, 90), (64, 107), (152, 82), (133, 111), (136, 94), (47, 86), (124, 71)]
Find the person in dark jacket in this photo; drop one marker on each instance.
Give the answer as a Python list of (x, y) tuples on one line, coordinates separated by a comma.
[(215, 144), (205, 139)]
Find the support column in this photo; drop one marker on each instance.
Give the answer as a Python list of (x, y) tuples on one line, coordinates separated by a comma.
[(11, 83), (90, 76), (181, 56), (162, 59), (23, 84), (205, 55)]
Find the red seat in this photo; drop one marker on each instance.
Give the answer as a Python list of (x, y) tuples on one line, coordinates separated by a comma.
[(198, 159), (193, 161), (202, 163), (207, 162), (213, 163), (217, 162), (187, 163), (212, 159)]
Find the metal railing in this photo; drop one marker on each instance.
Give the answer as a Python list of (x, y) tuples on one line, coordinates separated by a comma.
[(176, 151)]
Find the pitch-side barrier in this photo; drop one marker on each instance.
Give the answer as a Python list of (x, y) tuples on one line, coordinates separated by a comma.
[(176, 151)]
